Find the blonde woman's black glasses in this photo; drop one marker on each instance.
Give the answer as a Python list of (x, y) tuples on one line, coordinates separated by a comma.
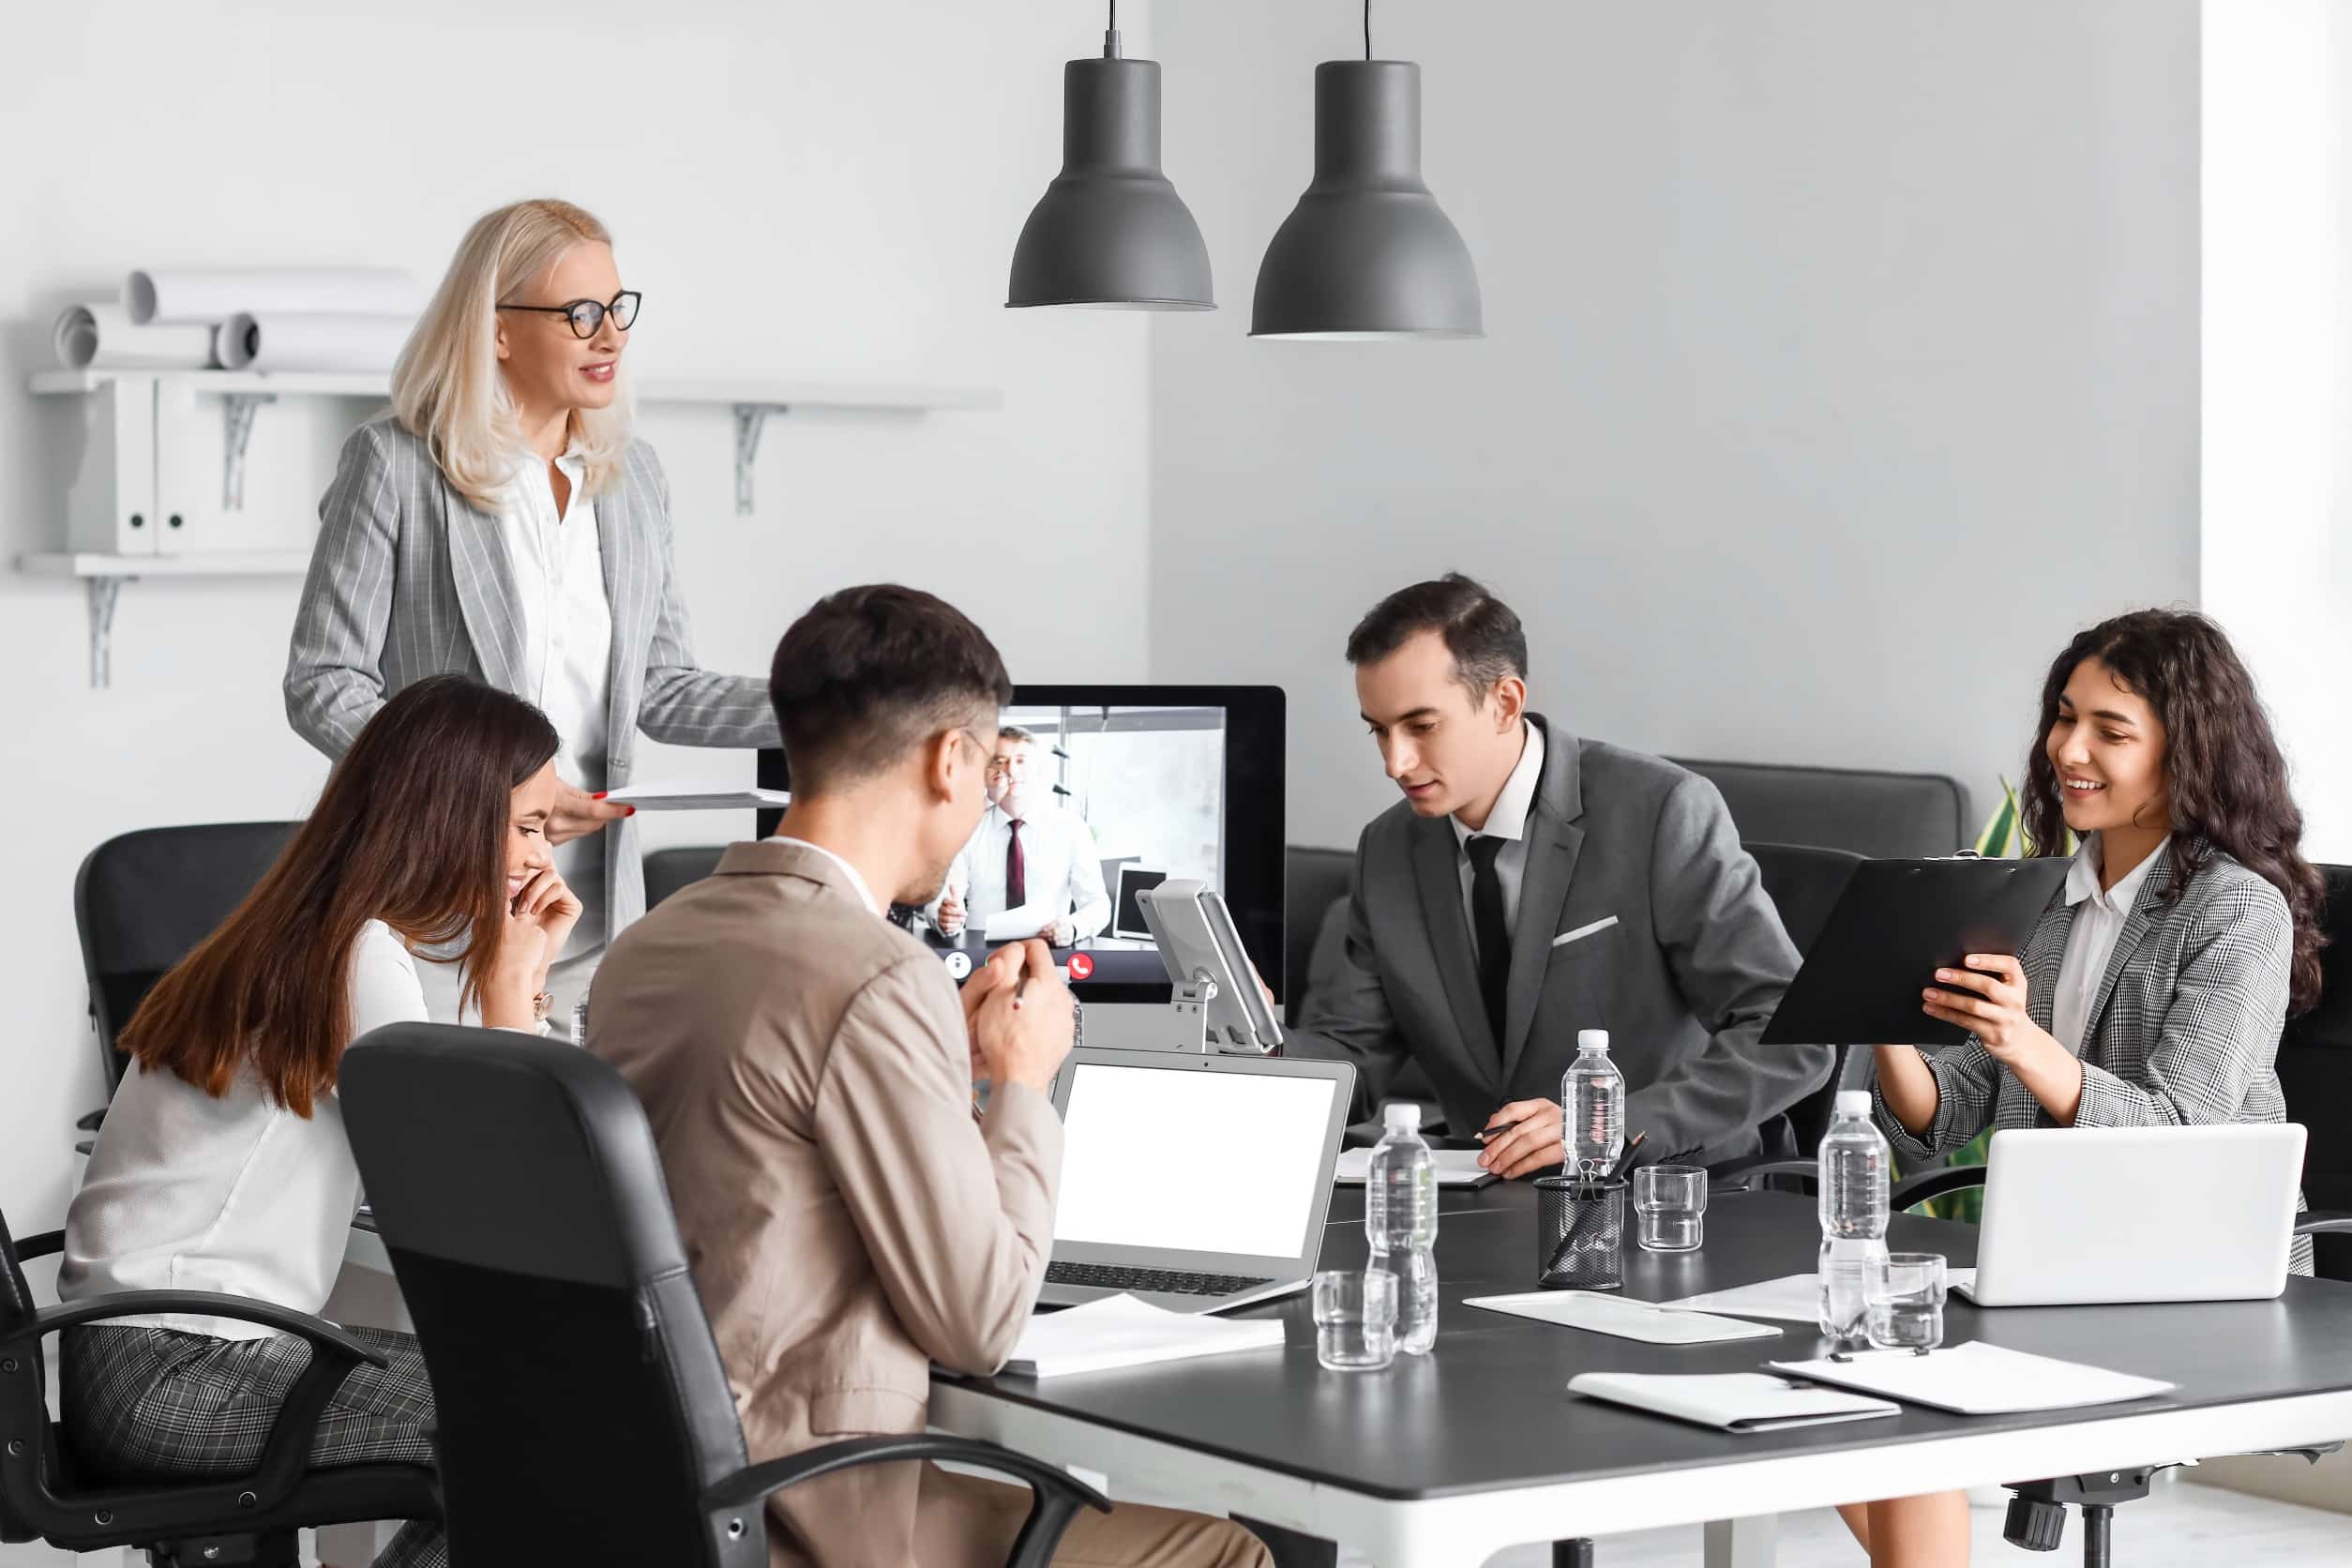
[(587, 316)]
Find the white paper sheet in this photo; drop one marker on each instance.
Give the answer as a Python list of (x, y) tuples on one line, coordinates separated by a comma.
[(216, 294), (1121, 1331), (681, 797), (1457, 1168), (1014, 924), (1795, 1298), (283, 341), (102, 337), (1733, 1402), (1977, 1378), (1596, 1313)]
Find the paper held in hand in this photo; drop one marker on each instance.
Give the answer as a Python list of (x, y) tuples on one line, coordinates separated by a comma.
[(687, 798)]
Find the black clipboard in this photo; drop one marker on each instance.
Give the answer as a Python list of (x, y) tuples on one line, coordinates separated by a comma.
[(1896, 924)]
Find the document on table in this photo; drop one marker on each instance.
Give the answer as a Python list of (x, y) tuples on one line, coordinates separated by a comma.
[(1977, 1378), (1457, 1168), (1121, 1331), (1795, 1298), (1597, 1313), (1733, 1402), (685, 797)]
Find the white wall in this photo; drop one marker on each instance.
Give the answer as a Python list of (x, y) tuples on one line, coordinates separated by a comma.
[(1842, 360), (828, 192), (2277, 556)]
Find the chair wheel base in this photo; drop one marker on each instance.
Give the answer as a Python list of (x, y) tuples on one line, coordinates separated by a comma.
[(2035, 1525)]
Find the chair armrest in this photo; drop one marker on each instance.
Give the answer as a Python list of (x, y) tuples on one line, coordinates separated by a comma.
[(2323, 1225), (1058, 1496), (1744, 1175), (1914, 1190), (41, 1246), (323, 1336), (89, 1121)]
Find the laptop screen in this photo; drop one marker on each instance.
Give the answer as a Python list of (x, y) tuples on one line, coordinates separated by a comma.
[(1191, 1161)]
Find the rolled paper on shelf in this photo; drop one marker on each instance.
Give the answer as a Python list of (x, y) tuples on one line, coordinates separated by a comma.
[(102, 337), (215, 294), (294, 341)]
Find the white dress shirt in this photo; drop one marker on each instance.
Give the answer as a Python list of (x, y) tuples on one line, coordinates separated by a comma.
[(1060, 865), (2099, 919), (567, 652), (1508, 822), (237, 1195)]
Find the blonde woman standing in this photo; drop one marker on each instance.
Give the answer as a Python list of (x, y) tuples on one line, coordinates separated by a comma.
[(501, 522)]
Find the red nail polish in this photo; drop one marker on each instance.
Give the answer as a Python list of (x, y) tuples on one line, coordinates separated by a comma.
[(599, 796)]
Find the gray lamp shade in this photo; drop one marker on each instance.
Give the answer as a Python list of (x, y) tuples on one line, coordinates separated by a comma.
[(1367, 253), (1110, 232)]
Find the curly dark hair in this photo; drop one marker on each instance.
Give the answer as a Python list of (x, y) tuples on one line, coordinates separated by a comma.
[(2223, 773)]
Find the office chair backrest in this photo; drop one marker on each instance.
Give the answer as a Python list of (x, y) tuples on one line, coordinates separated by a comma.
[(1804, 883), (1313, 880), (668, 870), (2316, 1071), (143, 900), (1887, 815), (517, 1187)]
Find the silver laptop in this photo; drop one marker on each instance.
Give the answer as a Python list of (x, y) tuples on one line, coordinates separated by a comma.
[(2080, 1216), (1197, 1182)]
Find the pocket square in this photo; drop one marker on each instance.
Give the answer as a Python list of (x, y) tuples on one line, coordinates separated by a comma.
[(1582, 931)]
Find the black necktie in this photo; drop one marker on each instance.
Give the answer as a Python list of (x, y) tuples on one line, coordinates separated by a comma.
[(1015, 871), (1487, 928)]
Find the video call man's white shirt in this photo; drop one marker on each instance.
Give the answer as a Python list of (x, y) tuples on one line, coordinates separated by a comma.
[(1063, 872)]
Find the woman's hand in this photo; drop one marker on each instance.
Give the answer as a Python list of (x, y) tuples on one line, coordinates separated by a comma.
[(1988, 999), (538, 922), (579, 814)]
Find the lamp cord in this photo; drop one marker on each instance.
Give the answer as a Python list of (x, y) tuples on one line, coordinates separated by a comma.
[(1368, 27), (1111, 37)]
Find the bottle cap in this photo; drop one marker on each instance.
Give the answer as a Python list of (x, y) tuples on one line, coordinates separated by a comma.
[(1401, 1114), (1592, 1039), (1853, 1102)]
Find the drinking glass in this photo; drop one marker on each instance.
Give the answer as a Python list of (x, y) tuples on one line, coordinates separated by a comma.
[(1905, 1295), (1670, 1204), (1355, 1319)]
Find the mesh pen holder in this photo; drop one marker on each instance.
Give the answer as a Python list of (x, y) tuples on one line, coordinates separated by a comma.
[(1579, 1234)]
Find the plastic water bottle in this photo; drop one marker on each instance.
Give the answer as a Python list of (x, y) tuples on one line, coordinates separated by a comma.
[(1400, 1219), (1592, 1109), (1855, 1165)]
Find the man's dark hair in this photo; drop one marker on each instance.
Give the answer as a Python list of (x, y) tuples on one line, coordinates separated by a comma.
[(1480, 630), (873, 671)]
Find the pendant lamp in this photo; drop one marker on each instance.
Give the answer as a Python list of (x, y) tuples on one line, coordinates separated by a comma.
[(1110, 232), (1368, 253)]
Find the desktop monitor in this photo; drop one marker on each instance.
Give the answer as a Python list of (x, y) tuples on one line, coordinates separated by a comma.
[(1187, 781)]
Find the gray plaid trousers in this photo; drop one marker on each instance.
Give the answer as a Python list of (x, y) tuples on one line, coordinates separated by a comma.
[(147, 1403)]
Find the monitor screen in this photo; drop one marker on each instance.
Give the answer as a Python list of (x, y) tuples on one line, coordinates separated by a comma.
[(1252, 1159), (1113, 788)]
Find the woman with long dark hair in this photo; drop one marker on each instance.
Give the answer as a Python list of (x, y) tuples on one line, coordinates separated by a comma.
[(223, 1165), (2154, 985)]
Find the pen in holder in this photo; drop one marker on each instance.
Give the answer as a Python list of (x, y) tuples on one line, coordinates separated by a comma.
[(1579, 1233)]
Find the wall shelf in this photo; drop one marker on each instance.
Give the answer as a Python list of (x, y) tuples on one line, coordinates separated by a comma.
[(104, 576), (243, 392)]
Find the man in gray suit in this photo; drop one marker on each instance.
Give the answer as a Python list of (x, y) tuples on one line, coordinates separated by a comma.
[(1531, 884)]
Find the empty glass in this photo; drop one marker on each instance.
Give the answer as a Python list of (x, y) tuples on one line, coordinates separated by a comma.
[(1670, 1205), (1904, 1292), (1355, 1319)]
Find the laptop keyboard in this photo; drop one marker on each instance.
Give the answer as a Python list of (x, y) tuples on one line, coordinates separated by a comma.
[(1113, 1277)]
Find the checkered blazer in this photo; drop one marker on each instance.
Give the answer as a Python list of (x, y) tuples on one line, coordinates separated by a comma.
[(409, 580), (2183, 1030)]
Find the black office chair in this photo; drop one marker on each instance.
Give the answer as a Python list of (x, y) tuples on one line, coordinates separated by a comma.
[(517, 1187), (143, 900), (251, 1519), (2315, 1071)]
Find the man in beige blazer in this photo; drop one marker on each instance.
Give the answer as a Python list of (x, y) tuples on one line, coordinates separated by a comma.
[(809, 1069)]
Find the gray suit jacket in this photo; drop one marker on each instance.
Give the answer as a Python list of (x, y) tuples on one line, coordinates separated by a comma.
[(2183, 1030), (1684, 981), (409, 579)]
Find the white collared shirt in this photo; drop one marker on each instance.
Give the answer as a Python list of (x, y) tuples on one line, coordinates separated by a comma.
[(1063, 872), (2098, 922), (567, 651), (1506, 821), (856, 880)]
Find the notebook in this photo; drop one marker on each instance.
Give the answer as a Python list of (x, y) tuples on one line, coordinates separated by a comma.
[(1597, 1313), (1977, 1378), (1121, 1331), (1731, 1401), (1457, 1168)]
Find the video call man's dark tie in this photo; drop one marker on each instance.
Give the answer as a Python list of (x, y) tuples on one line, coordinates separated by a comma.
[(1015, 871), (1488, 930)]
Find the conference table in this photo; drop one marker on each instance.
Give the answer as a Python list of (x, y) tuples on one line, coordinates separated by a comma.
[(1441, 1460)]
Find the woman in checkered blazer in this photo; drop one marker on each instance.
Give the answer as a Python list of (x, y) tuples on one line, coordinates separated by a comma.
[(2152, 990)]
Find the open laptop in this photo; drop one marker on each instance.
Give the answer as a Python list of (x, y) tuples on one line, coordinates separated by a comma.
[(1197, 1182), (2080, 1216)]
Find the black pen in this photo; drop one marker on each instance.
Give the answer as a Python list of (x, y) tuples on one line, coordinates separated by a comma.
[(1625, 1161), (1497, 1132)]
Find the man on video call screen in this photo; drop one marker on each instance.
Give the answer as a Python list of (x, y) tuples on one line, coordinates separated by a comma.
[(1075, 795)]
